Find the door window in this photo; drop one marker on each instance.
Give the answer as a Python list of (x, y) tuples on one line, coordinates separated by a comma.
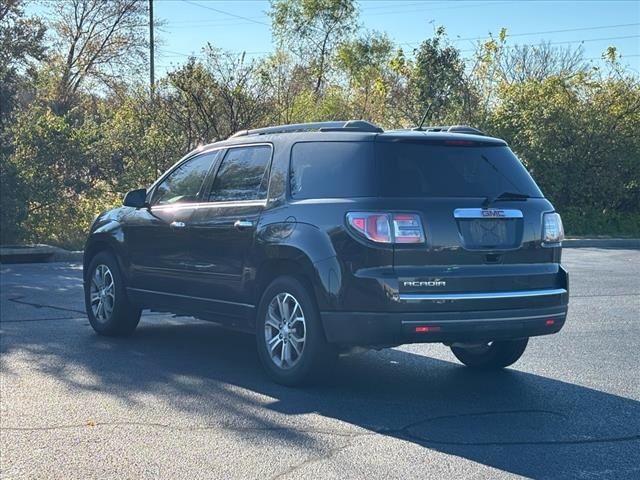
[(184, 183), (242, 175)]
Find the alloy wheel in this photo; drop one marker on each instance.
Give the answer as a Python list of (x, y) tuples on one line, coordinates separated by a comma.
[(285, 330), (102, 293)]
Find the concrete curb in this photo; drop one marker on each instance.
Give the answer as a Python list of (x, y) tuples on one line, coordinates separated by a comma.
[(74, 256), (37, 254), (621, 243)]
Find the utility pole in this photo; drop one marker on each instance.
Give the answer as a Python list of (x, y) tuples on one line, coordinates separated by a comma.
[(151, 50)]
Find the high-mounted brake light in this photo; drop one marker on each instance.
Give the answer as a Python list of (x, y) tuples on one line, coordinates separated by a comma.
[(427, 329), (467, 143), (387, 227), (552, 229)]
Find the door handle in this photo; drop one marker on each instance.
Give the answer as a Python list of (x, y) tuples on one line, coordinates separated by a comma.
[(177, 225), (240, 224)]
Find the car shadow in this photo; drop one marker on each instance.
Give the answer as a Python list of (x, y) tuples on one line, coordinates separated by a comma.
[(517, 422)]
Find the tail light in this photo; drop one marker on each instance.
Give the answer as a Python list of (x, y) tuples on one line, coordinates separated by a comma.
[(387, 227), (552, 230)]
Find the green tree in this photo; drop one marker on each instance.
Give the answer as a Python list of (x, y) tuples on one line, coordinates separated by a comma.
[(21, 47), (217, 96), (51, 162), (289, 93), (366, 63), (313, 29), (578, 138), (433, 85), (97, 43)]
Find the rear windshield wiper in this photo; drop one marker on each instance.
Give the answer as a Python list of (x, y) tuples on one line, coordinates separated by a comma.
[(505, 196)]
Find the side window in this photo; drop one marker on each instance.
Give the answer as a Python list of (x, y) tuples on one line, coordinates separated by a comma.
[(331, 170), (184, 183), (242, 175)]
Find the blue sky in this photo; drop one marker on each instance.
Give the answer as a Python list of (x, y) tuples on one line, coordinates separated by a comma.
[(243, 25)]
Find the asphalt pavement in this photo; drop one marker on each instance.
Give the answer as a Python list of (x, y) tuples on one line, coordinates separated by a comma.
[(183, 398)]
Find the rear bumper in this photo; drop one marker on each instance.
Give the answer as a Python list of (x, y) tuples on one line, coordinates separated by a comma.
[(367, 328)]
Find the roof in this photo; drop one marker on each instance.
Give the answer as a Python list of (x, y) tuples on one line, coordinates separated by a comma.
[(439, 137), (358, 130)]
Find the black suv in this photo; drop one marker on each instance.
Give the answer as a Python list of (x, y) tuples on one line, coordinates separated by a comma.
[(323, 237)]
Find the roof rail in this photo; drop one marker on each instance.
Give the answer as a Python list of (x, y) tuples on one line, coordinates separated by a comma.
[(452, 129), (337, 126)]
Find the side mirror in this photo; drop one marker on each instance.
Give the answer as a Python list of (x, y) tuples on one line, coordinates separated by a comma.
[(136, 198)]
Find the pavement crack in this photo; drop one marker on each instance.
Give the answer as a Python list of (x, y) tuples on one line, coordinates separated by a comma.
[(425, 442), (318, 458), (476, 414), (19, 301), (405, 433), (94, 424)]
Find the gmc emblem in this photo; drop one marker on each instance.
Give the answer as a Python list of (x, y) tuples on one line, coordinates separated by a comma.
[(493, 213)]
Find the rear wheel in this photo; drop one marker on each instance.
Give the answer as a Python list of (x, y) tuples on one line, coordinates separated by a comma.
[(106, 302), (491, 355), (290, 339)]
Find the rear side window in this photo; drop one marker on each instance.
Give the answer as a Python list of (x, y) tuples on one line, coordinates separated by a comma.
[(428, 170), (242, 175), (331, 169)]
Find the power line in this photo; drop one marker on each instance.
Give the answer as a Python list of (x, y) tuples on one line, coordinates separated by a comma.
[(254, 19), (226, 13), (566, 30), (209, 22), (173, 53), (429, 9), (395, 8), (562, 43), (397, 4), (180, 54)]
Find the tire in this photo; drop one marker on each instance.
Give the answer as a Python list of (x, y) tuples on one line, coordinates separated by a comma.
[(110, 313), (301, 362), (491, 356)]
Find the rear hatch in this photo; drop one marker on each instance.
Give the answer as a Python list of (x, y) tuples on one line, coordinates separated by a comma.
[(481, 213)]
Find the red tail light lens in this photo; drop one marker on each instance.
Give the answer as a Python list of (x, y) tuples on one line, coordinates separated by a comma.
[(387, 227), (374, 226)]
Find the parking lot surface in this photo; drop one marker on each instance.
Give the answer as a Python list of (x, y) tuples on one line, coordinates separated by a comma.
[(183, 398)]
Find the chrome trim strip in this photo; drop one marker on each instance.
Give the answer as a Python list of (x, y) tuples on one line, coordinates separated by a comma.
[(196, 206), (418, 297), (486, 213), (190, 297), (503, 319)]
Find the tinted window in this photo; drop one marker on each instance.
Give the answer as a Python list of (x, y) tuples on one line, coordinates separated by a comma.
[(425, 170), (242, 175), (184, 183), (403, 169), (331, 169)]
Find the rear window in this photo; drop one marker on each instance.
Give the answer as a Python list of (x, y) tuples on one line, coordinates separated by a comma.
[(424, 170), (403, 169)]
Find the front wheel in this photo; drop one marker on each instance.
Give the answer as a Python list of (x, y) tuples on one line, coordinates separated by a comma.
[(491, 355), (290, 339), (106, 302)]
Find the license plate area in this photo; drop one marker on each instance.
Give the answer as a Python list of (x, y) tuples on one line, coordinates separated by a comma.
[(489, 229)]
